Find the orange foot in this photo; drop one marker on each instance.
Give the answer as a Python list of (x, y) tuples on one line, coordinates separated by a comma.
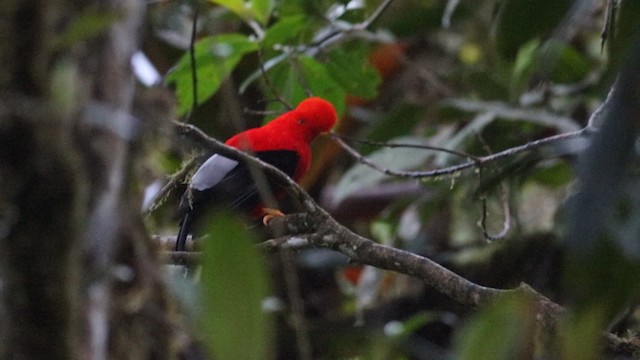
[(270, 214)]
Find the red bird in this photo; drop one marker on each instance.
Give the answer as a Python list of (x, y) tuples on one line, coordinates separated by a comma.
[(284, 143)]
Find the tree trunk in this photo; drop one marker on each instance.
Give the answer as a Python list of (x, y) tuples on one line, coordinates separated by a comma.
[(78, 275)]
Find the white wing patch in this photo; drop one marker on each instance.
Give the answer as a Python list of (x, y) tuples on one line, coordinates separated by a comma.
[(211, 172)]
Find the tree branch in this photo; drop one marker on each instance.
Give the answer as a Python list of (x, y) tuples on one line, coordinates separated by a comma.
[(317, 228), (475, 161)]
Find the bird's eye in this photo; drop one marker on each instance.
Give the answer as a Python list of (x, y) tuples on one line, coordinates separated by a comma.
[(302, 121)]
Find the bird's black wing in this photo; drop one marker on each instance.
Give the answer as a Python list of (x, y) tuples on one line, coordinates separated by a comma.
[(221, 181)]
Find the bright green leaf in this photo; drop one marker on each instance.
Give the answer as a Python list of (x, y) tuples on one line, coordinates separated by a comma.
[(261, 10), (234, 281), (524, 65), (258, 10), (216, 57), (382, 231), (239, 7)]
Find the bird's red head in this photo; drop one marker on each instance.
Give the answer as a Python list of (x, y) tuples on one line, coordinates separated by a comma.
[(318, 114), (312, 117)]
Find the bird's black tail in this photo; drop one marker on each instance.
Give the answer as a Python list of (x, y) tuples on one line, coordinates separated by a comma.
[(181, 239)]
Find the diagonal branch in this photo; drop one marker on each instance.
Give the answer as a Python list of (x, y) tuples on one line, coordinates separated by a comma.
[(319, 229)]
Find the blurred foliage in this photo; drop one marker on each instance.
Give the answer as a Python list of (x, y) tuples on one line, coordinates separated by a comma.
[(492, 335), (519, 21), (234, 285), (528, 68)]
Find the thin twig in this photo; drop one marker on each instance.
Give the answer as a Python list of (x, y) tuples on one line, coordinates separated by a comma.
[(194, 67), (295, 65), (341, 30), (298, 319), (402, 145), (375, 15), (448, 12), (312, 49), (477, 161), (174, 181), (609, 23), (542, 117), (261, 112), (506, 225), (268, 84)]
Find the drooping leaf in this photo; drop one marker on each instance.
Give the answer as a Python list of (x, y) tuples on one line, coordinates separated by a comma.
[(234, 285), (215, 57), (524, 65)]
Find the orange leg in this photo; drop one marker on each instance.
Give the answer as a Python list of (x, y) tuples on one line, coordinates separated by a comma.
[(270, 214)]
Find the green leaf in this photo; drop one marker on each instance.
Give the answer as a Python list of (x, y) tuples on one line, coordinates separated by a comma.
[(581, 334), (505, 330), (258, 10), (291, 80), (352, 70), (262, 10), (554, 175), (216, 57), (234, 281), (566, 64), (524, 65), (321, 83), (285, 29)]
